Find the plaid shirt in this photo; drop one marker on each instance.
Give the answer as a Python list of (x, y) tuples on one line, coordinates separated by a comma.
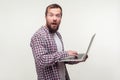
[(46, 56)]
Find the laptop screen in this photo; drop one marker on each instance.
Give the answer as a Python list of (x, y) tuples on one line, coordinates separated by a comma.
[(90, 43)]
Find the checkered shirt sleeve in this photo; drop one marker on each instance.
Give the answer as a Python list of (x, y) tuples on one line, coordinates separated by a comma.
[(41, 52)]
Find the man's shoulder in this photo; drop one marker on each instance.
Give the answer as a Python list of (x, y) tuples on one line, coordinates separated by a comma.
[(40, 32)]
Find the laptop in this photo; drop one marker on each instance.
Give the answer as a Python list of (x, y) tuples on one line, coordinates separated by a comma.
[(80, 56)]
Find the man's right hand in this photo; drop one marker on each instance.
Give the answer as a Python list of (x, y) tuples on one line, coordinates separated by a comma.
[(72, 53)]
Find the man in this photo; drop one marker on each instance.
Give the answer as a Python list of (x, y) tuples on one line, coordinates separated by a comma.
[(48, 49)]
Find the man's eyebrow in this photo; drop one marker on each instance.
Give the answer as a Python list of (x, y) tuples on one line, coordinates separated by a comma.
[(53, 13), (50, 13)]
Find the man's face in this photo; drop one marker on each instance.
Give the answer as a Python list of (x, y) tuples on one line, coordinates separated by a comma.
[(53, 19)]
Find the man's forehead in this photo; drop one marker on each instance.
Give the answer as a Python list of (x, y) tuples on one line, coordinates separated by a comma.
[(55, 10)]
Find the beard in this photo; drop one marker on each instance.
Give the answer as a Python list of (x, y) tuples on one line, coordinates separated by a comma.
[(53, 27)]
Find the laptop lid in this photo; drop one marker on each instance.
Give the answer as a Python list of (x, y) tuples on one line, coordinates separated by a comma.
[(90, 43)]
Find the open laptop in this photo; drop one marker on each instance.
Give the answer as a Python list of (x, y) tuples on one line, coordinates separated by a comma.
[(80, 56)]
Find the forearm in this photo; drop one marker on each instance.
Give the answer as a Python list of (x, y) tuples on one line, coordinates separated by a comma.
[(43, 54), (45, 59)]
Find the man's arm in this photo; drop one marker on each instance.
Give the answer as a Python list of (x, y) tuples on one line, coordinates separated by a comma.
[(42, 56)]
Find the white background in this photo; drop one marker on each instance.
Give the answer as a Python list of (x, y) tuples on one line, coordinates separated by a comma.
[(19, 19)]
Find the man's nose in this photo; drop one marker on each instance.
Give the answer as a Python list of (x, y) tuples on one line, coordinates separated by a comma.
[(54, 18)]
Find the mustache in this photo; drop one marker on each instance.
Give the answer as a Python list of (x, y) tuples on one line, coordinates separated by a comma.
[(54, 23)]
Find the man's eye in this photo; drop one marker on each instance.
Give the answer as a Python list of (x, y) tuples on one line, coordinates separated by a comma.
[(58, 15), (50, 15)]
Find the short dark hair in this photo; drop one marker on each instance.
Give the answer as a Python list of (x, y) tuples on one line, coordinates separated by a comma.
[(53, 6)]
